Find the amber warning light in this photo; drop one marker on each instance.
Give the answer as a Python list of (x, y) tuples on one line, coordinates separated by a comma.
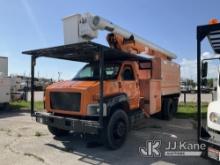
[(213, 21)]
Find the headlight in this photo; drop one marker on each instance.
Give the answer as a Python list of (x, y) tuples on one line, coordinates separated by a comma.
[(93, 110), (214, 117)]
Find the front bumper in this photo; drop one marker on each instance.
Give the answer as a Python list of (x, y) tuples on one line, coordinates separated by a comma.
[(211, 139), (67, 123)]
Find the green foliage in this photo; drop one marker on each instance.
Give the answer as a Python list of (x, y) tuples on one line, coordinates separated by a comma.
[(38, 134), (190, 82), (23, 105), (189, 110), (210, 82)]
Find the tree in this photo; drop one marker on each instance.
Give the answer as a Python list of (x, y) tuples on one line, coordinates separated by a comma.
[(210, 82), (190, 82)]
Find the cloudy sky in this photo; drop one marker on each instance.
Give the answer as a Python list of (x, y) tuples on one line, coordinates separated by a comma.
[(31, 24), (189, 67)]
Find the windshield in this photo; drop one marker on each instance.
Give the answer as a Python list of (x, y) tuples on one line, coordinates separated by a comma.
[(91, 72)]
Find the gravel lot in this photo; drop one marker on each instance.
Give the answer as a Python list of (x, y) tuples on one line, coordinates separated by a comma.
[(25, 142)]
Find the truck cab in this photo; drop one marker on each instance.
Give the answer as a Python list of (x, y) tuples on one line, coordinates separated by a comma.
[(213, 115), (110, 94), (209, 128), (79, 96)]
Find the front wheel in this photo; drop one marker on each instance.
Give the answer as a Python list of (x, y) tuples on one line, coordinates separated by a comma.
[(4, 106), (117, 130), (57, 132)]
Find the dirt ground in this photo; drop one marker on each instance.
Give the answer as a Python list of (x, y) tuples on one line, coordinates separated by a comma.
[(25, 142)]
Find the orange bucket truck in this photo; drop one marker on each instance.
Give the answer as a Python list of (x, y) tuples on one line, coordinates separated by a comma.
[(118, 86)]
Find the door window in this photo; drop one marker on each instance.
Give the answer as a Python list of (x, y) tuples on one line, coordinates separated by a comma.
[(128, 74)]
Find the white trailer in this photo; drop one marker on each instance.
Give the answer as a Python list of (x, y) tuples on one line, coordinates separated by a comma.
[(5, 96), (5, 83), (3, 66)]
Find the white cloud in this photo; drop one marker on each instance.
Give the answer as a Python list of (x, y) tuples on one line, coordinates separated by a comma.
[(206, 55), (33, 20), (189, 68), (213, 69), (209, 55)]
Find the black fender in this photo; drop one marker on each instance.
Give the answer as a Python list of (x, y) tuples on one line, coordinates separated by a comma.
[(113, 102)]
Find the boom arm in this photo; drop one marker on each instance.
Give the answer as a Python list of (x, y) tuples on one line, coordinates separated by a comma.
[(79, 28)]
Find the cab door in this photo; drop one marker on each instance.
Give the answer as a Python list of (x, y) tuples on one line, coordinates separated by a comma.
[(129, 85)]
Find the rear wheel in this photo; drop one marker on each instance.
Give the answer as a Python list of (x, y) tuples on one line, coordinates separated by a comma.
[(117, 130), (57, 132), (175, 104), (169, 108)]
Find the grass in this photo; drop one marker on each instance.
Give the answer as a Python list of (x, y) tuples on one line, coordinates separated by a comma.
[(24, 105), (38, 133), (189, 110), (19, 135)]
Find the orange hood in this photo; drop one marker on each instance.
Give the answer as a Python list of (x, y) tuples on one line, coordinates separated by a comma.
[(73, 84)]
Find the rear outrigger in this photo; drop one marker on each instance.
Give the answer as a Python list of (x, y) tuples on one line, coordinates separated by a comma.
[(119, 85)]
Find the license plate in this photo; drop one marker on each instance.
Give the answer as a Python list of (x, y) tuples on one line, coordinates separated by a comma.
[(213, 153)]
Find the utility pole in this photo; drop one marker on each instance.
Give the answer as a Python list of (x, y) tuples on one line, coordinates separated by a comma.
[(59, 75)]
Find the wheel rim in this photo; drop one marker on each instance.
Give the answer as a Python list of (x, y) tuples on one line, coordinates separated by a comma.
[(119, 130)]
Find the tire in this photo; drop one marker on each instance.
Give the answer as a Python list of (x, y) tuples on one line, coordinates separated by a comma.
[(4, 106), (204, 154), (57, 132), (168, 108), (117, 129), (175, 104)]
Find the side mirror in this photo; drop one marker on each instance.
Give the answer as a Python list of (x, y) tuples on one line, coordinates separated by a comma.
[(219, 79), (204, 69)]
